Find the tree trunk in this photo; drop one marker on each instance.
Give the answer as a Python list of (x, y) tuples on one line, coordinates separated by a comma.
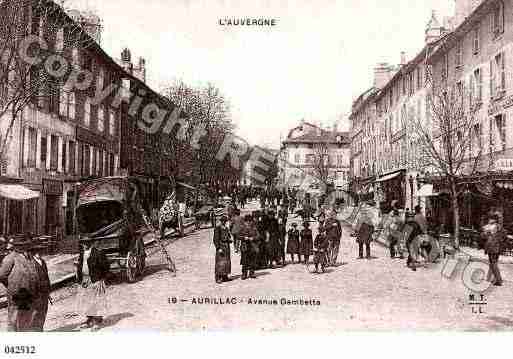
[(456, 214)]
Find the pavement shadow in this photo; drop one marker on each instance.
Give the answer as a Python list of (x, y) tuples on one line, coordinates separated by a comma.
[(506, 322), (107, 322)]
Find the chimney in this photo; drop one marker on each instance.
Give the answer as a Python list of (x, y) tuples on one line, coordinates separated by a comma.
[(382, 74), (403, 59), (142, 69)]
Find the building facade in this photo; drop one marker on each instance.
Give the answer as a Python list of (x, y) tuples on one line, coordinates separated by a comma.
[(316, 152)]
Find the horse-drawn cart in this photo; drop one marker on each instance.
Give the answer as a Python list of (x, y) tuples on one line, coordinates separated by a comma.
[(108, 212)]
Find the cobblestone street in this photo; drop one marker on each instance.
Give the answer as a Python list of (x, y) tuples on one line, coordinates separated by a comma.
[(377, 294)]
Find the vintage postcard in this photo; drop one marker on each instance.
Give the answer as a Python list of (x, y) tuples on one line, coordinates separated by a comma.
[(267, 165)]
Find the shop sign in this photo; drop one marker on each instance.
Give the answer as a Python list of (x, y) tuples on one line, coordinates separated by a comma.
[(52, 187)]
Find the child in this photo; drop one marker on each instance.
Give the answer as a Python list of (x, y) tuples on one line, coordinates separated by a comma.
[(293, 243), (306, 242), (322, 244)]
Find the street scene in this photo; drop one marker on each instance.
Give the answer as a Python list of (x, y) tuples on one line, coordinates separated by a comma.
[(142, 195)]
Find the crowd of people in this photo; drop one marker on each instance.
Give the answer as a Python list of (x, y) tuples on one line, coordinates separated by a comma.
[(264, 239)]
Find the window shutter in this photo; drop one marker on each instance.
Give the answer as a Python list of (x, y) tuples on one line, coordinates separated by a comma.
[(504, 137), (471, 91)]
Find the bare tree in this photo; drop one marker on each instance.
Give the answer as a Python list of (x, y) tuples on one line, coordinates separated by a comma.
[(321, 164), (206, 107), (23, 83), (448, 141)]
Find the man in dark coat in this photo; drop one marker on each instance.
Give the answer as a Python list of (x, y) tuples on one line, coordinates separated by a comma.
[(261, 239), (306, 242), (223, 264), (248, 248), (321, 244), (293, 243), (364, 236), (41, 301), (411, 231), (334, 233), (274, 247), (495, 237), (19, 275)]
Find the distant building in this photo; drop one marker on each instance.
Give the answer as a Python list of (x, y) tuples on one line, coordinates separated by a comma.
[(298, 157)]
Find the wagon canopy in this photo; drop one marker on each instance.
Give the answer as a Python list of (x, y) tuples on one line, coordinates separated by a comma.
[(105, 189)]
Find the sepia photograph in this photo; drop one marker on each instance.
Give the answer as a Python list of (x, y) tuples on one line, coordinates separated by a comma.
[(267, 166)]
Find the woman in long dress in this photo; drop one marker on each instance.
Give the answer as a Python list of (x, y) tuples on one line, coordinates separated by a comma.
[(93, 270), (293, 243), (223, 263)]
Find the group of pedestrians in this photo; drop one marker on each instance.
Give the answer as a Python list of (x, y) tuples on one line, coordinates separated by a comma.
[(264, 239), (24, 273)]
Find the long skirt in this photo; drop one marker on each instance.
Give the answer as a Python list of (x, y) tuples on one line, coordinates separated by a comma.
[(92, 299), (274, 249), (306, 246), (293, 245), (223, 264)]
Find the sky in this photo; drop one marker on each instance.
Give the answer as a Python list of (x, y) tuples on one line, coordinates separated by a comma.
[(317, 59)]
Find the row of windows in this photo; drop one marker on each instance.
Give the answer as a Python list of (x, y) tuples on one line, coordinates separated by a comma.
[(57, 154), (328, 159)]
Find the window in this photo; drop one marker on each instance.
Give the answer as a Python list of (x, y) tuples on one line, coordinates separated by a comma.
[(111, 164), (54, 153), (101, 118), (64, 157), (87, 112), (112, 122), (476, 40), (500, 132), (459, 55), (498, 19), (72, 150), (63, 103), (497, 76), (478, 85), (297, 158), (71, 105), (43, 151), (310, 159), (86, 161), (31, 160), (100, 163), (54, 95), (101, 79), (59, 40), (74, 57), (419, 78), (445, 67)]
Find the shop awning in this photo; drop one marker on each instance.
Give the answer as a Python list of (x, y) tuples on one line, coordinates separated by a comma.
[(17, 192), (426, 191), (388, 177)]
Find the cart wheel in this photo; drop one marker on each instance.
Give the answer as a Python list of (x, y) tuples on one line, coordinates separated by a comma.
[(141, 257), (131, 267)]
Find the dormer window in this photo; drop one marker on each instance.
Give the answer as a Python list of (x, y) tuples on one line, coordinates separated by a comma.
[(498, 19)]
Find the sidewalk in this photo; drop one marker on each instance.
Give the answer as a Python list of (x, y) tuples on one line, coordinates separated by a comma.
[(61, 268), (471, 254)]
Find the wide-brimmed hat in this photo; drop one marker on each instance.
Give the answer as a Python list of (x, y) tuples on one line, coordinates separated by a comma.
[(294, 224)]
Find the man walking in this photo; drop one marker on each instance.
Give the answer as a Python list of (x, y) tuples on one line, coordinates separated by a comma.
[(248, 248), (333, 233), (494, 238), (18, 274), (236, 224), (41, 301), (364, 236), (223, 264)]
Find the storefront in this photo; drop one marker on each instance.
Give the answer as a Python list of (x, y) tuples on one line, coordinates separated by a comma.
[(391, 187), (18, 209)]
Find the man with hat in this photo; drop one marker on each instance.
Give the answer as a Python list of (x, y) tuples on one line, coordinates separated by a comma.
[(19, 275), (41, 301), (293, 243), (306, 243), (223, 264), (364, 235), (333, 233), (248, 248), (495, 238), (321, 244)]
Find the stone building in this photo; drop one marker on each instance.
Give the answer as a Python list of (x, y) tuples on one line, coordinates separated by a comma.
[(301, 155)]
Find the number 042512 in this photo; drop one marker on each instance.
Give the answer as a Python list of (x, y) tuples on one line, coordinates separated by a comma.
[(19, 349)]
